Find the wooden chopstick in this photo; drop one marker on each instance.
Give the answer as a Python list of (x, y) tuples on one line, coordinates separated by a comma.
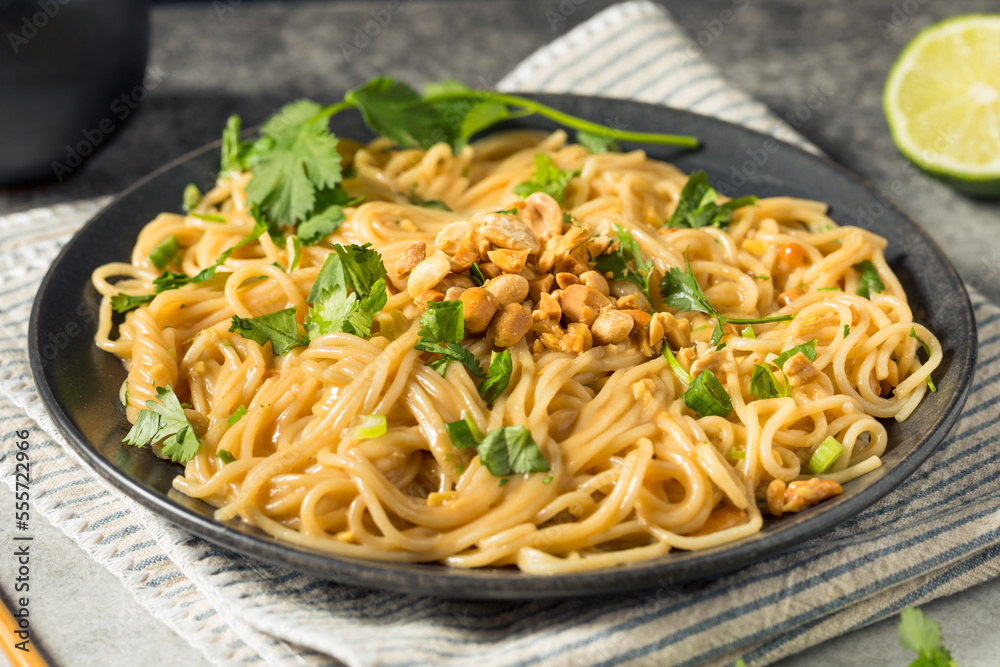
[(18, 658)]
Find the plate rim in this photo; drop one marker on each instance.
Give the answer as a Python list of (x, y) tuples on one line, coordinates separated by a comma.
[(436, 580)]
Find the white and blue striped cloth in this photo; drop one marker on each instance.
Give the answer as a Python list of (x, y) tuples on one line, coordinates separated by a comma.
[(936, 534)]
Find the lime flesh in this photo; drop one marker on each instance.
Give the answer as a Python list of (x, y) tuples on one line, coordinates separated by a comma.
[(942, 101)]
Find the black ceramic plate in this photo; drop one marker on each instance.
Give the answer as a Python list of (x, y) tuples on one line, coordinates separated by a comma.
[(79, 383)]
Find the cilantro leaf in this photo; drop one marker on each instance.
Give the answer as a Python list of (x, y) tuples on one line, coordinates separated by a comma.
[(511, 450), (869, 281), (477, 275), (921, 635), (764, 384), (442, 322), (163, 419), (122, 303), (320, 225), (471, 114), (500, 370), (356, 266), (707, 396), (395, 110), (452, 351), (331, 312), (225, 456), (238, 156), (547, 178), (616, 262), (278, 328), (597, 143), (681, 291), (464, 434), (696, 207), (191, 197), (302, 159), (808, 349)]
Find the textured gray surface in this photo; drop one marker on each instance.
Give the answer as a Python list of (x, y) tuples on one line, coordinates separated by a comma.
[(260, 55)]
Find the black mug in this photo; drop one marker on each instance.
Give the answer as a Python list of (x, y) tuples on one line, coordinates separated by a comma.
[(71, 72)]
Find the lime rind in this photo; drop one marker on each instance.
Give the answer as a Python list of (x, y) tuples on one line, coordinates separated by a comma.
[(978, 180)]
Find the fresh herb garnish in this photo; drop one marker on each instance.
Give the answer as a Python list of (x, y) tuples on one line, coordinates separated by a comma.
[(696, 207), (616, 262), (477, 275), (279, 328), (164, 419), (547, 178), (498, 377), (921, 635), (441, 329), (764, 384), (225, 456), (707, 396), (165, 252), (868, 281), (208, 217), (808, 349), (237, 415), (505, 451), (511, 450), (847, 330), (598, 142), (927, 351), (354, 267), (680, 290), (122, 303), (675, 366)]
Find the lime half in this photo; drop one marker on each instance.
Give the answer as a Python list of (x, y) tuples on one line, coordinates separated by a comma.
[(942, 101)]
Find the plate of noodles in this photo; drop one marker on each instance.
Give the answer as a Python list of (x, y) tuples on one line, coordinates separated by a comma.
[(515, 363)]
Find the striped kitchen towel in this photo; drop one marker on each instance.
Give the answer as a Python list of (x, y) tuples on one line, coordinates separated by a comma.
[(936, 534)]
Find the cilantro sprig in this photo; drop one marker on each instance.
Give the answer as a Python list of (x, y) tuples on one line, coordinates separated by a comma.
[(278, 328), (163, 419), (547, 178), (357, 268), (696, 207), (921, 635), (295, 159), (616, 261), (868, 281), (504, 451), (680, 290)]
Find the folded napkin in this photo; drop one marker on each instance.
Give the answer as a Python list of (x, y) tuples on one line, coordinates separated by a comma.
[(936, 534)]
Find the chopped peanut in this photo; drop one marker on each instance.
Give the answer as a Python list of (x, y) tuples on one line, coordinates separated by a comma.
[(508, 289), (582, 304), (511, 261), (510, 325), (478, 308), (578, 339), (415, 253), (611, 326), (544, 215), (595, 281), (506, 231), (799, 370), (799, 494), (564, 280), (428, 273)]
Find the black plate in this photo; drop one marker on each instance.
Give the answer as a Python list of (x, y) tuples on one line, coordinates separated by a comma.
[(79, 383)]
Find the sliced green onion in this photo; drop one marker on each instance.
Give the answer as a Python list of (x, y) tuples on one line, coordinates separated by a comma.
[(164, 253), (503, 482), (225, 456), (296, 250), (748, 332), (547, 480), (238, 415), (828, 289), (847, 330), (707, 396), (191, 197), (208, 218), (464, 433), (927, 351), (735, 454), (368, 426), (675, 366), (825, 456)]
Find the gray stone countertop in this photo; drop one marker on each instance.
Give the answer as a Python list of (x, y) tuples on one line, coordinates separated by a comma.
[(235, 56)]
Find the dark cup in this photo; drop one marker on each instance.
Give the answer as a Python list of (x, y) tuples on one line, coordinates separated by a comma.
[(71, 72)]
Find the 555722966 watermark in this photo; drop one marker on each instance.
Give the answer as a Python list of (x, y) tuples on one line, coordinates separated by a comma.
[(21, 543)]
